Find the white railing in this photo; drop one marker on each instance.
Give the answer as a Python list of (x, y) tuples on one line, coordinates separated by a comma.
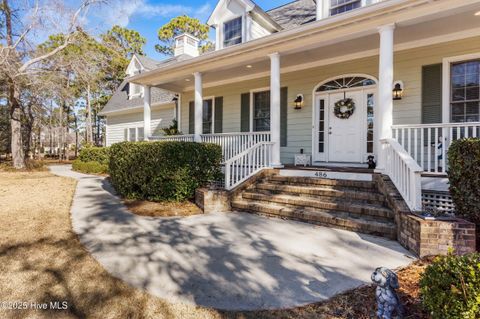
[(180, 138), (248, 163), (235, 143), (428, 143), (404, 172)]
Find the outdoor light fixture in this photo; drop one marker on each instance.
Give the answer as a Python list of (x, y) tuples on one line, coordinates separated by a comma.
[(397, 90), (298, 102), (249, 66), (477, 13)]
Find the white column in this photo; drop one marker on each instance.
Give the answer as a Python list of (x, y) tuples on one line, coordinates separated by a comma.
[(198, 106), (146, 112), (275, 108), (218, 36), (320, 9), (179, 112), (384, 116)]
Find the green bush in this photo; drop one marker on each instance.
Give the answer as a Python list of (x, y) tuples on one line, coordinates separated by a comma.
[(95, 154), (159, 171), (464, 178), (91, 167), (450, 287)]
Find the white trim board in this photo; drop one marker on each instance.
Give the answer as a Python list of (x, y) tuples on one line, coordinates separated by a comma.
[(364, 177)]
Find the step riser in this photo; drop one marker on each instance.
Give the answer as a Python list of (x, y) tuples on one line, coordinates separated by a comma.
[(341, 206), (311, 217), (321, 192), (322, 181)]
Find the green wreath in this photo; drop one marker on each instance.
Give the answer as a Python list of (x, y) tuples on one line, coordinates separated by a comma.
[(344, 108)]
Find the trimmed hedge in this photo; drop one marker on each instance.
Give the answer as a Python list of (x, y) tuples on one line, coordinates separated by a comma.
[(158, 171), (450, 287), (90, 167), (464, 178), (95, 154)]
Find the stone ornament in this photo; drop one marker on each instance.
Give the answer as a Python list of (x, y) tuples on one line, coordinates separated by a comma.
[(387, 299)]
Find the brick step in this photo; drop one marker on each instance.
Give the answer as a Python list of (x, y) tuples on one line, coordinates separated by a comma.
[(372, 196), (337, 219), (322, 181), (360, 209)]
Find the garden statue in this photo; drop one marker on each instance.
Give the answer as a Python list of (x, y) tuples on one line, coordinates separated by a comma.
[(387, 298)]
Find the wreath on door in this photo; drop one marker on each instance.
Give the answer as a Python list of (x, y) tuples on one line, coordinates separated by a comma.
[(344, 108)]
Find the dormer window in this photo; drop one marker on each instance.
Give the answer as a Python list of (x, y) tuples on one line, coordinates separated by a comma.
[(232, 32), (341, 6)]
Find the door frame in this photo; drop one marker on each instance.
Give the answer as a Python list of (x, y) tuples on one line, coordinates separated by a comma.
[(317, 96)]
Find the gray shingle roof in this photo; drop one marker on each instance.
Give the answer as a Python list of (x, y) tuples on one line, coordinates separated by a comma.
[(120, 100), (294, 14)]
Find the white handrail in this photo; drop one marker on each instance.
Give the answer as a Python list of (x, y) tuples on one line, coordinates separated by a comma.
[(235, 143), (404, 172), (248, 163), (181, 138), (428, 144)]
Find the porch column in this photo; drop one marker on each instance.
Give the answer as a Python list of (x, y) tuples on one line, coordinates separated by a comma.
[(275, 108), (384, 116), (146, 112), (198, 106)]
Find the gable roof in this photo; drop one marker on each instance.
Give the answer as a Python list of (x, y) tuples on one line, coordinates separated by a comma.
[(294, 14)]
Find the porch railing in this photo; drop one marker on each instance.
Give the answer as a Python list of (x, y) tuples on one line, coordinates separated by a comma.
[(180, 138), (428, 144), (404, 172), (235, 143), (249, 162)]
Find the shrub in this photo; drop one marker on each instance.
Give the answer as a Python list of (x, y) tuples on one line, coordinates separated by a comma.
[(94, 154), (159, 171), (91, 167), (450, 287)]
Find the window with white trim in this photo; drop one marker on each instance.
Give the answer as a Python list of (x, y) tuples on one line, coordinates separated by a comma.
[(465, 91), (341, 6), (207, 121), (232, 32), (261, 111), (134, 134)]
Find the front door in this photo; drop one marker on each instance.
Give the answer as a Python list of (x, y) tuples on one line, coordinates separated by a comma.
[(345, 140)]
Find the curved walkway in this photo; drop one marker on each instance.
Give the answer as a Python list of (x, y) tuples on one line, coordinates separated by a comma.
[(233, 261)]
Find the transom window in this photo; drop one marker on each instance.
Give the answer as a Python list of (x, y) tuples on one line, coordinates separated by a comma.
[(346, 83), (465, 91), (340, 6), (261, 111), (232, 32)]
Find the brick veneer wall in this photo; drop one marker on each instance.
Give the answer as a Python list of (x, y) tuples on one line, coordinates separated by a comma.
[(426, 237)]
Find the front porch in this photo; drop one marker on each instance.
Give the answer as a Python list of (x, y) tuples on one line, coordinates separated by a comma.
[(245, 98)]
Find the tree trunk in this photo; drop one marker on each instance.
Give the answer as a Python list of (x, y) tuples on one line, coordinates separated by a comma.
[(88, 122)]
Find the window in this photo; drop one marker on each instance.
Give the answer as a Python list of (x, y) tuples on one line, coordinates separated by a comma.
[(321, 127), (132, 134), (465, 91), (232, 32), (207, 116), (341, 6), (261, 111), (140, 134), (370, 110)]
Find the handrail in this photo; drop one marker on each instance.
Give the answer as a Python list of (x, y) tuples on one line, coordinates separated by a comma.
[(461, 124), (247, 163), (404, 172), (235, 133)]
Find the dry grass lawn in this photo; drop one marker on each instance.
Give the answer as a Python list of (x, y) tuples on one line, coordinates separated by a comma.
[(41, 260)]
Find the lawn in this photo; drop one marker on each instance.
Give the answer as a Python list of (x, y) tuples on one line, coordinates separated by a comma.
[(41, 260)]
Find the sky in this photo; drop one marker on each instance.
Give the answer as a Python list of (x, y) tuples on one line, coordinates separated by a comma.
[(147, 16)]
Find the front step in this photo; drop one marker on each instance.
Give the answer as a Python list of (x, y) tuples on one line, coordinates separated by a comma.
[(313, 202), (355, 205), (336, 219)]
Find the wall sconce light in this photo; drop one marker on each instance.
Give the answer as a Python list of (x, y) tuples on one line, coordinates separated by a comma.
[(397, 90), (298, 103)]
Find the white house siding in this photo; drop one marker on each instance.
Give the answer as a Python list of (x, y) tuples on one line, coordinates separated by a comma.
[(256, 30), (408, 67), (162, 118), (116, 125)]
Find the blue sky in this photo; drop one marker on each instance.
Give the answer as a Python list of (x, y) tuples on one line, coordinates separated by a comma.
[(147, 16)]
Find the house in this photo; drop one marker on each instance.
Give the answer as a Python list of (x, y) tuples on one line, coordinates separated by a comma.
[(330, 82)]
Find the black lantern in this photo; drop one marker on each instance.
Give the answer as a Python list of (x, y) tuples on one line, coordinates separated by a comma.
[(298, 102), (397, 91)]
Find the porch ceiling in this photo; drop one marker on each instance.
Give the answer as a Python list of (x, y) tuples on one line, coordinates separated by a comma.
[(355, 40)]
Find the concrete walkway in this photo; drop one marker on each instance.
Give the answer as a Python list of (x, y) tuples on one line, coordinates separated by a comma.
[(233, 261)]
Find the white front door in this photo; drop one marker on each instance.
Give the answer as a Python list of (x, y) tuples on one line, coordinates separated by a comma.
[(345, 136)]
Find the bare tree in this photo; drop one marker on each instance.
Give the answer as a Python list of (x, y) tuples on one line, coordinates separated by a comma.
[(20, 61)]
